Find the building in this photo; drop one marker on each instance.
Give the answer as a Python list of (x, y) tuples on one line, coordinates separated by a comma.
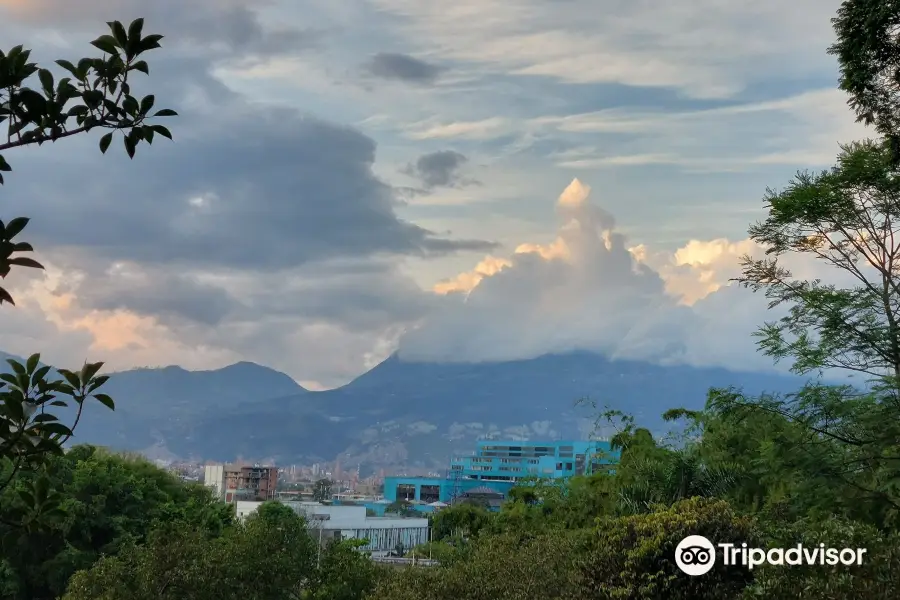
[(384, 534), (487, 475), (214, 477), (232, 482)]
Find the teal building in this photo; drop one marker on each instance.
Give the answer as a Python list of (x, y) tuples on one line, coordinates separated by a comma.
[(496, 466)]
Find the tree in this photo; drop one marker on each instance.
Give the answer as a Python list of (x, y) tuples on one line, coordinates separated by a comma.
[(868, 50), (500, 567), (631, 557), (322, 490), (107, 502), (877, 577), (172, 565), (460, 522), (344, 572), (274, 556), (847, 218), (96, 95), (270, 555)]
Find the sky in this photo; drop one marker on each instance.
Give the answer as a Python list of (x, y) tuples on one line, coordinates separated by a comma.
[(465, 181)]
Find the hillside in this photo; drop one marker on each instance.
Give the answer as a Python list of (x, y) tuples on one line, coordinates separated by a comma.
[(398, 414), (151, 403), (416, 414)]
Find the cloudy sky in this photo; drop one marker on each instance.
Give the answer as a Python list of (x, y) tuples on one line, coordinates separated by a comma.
[(467, 180)]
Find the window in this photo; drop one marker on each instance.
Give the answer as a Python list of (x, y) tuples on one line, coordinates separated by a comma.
[(430, 493), (559, 466), (406, 491), (568, 466)]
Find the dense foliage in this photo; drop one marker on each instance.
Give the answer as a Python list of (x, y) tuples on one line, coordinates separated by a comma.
[(36, 109), (820, 466)]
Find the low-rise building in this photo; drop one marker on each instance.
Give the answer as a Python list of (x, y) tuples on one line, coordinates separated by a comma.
[(327, 522)]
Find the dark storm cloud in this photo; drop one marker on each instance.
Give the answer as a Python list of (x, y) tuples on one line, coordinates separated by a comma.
[(363, 299), (402, 67), (200, 26), (159, 293), (439, 169), (281, 210), (260, 188), (363, 294)]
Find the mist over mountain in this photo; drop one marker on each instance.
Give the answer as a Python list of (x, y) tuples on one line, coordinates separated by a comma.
[(400, 414)]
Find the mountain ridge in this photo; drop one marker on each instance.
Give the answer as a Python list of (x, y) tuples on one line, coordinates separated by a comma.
[(400, 413)]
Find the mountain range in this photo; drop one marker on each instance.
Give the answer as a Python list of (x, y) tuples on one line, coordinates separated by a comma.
[(399, 415)]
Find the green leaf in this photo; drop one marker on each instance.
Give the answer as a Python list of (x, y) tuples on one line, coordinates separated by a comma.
[(106, 43), (105, 141), (17, 367), (46, 78), (26, 498), (68, 66), (163, 131), (130, 145), (41, 487), (44, 418), (106, 401), (70, 377), (14, 227), (147, 104), (55, 429), (141, 66), (41, 373), (130, 105), (84, 65), (24, 261), (32, 363), (4, 166), (135, 29), (118, 31), (89, 370), (14, 408), (5, 297), (151, 42), (166, 112)]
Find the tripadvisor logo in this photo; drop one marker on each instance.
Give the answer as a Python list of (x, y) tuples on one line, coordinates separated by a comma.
[(696, 555)]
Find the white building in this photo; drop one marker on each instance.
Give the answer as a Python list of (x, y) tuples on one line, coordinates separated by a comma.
[(214, 477), (350, 522)]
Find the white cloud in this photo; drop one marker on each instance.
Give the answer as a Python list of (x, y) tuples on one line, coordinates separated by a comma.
[(471, 130), (802, 130), (588, 290), (585, 289), (706, 48)]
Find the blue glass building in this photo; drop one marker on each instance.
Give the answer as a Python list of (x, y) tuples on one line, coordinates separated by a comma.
[(497, 466)]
